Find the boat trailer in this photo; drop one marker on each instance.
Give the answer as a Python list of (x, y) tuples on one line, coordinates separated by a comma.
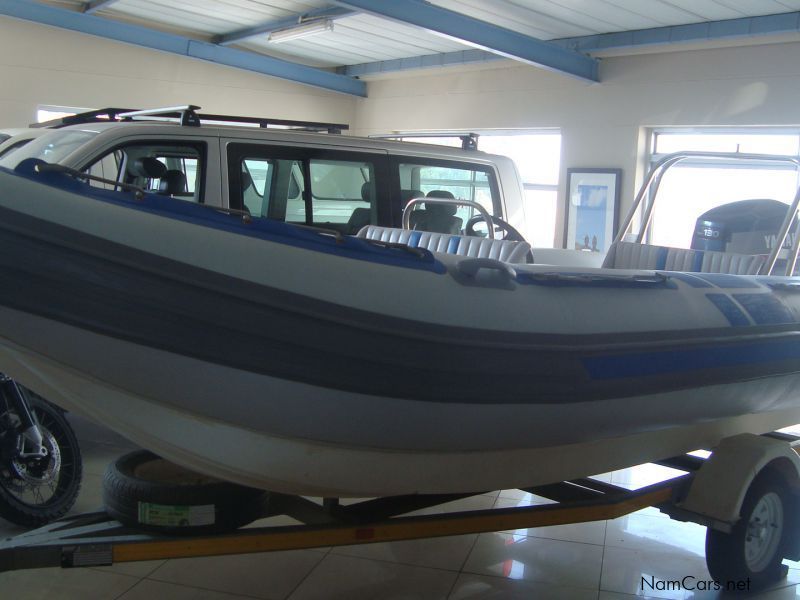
[(94, 539)]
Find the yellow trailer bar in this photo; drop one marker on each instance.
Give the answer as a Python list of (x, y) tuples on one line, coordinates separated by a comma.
[(94, 539)]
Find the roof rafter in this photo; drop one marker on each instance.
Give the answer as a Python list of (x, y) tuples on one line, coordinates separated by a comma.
[(480, 34), (176, 44)]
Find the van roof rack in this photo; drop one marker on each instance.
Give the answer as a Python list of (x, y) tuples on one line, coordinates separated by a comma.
[(187, 116), (91, 116), (469, 140)]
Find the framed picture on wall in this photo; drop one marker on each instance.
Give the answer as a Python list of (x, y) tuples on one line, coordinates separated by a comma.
[(592, 211)]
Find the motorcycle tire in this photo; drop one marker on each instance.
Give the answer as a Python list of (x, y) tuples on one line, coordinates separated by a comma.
[(34, 492)]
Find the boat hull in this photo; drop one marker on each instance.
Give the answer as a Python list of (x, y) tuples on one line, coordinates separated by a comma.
[(238, 450), (304, 364)]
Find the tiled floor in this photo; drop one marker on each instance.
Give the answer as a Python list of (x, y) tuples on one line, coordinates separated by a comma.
[(601, 560)]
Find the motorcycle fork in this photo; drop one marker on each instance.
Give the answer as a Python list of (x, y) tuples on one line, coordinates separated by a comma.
[(31, 436)]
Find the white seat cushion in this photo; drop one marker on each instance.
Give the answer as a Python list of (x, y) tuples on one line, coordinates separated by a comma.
[(463, 245), (630, 255)]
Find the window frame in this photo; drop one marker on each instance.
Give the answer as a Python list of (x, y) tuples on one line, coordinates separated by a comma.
[(237, 151), (652, 158), (397, 202), (200, 145)]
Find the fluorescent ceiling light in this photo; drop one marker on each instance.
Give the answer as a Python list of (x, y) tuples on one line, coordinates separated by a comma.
[(301, 30)]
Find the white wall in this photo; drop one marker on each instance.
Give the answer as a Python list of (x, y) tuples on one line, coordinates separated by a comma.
[(602, 124), (47, 65)]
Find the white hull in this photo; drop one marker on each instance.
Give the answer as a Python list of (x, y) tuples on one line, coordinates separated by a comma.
[(259, 459)]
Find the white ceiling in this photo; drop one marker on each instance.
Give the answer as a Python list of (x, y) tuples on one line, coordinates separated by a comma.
[(363, 38)]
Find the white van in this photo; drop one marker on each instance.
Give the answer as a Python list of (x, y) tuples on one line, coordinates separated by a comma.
[(337, 182)]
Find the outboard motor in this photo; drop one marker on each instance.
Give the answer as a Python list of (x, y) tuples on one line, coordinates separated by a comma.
[(743, 227)]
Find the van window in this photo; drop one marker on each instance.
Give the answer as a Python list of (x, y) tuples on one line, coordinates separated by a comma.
[(476, 185), (162, 168), (51, 147), (256, 184), (301, 186), (340, 190), (270, 188), (107, 167)]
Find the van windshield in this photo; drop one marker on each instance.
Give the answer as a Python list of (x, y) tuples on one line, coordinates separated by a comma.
[(51, 147)]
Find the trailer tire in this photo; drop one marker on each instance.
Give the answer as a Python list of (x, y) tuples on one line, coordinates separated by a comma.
[(144, 491), (753, 551)]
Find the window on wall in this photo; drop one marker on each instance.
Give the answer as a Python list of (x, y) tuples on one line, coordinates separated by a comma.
[(694, 187), (537, 154)]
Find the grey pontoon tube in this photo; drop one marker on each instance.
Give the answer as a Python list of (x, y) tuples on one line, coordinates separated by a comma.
[(414, 201), (653, 180)]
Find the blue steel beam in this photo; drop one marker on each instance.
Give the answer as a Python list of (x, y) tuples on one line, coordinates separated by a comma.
[(427, 61), (176, 44), (480, 34), (95, 5), (746, 27), (327, 12)]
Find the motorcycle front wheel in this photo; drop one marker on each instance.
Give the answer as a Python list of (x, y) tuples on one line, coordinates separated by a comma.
[(37, 490)]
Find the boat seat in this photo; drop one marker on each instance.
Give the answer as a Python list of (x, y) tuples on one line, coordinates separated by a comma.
[(632, 255), (463, 245), (440, 218)]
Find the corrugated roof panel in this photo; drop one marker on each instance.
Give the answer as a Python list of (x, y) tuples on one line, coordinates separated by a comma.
[(178, 14), (365, 38), (212, 17), (517, 18), (399, 32), (658, 12), (709, 10), (358, 39), (757, 7)]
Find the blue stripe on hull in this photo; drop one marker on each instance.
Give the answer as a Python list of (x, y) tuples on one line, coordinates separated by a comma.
[(765, 309), (644, 364), (730, 309)]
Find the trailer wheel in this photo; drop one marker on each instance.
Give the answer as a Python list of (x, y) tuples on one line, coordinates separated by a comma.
[(755, 548), (142, 490)]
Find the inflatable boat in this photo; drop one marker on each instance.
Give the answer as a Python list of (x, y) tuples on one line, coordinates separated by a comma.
[(393, 362)]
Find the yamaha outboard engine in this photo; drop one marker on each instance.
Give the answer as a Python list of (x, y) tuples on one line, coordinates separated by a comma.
[(743, 227)]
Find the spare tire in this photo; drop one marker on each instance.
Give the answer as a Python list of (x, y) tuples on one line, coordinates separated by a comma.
[(144, 491)]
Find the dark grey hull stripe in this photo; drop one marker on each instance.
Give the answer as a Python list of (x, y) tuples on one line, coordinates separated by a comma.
[(60, 274)]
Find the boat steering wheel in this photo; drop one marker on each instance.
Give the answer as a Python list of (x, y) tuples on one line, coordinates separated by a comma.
[(511, 234)]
